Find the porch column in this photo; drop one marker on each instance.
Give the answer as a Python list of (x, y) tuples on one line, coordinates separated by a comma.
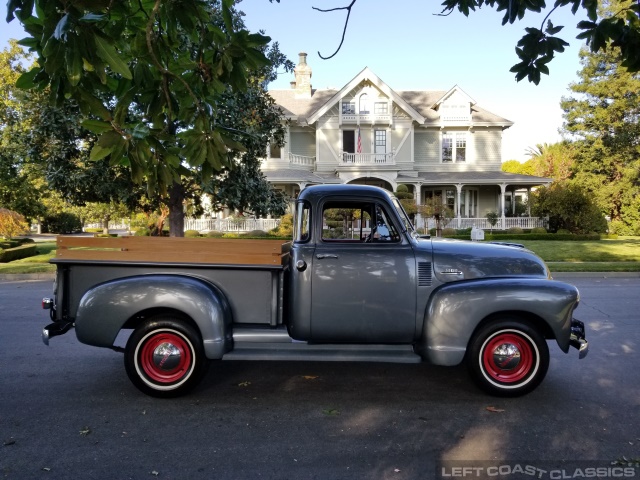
[(418, 193), (503, 188), (513, 201), (528, 201), (458, 197)]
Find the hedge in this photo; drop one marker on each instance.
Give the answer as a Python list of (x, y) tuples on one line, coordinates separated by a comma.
[(17, 253), (499, 237)]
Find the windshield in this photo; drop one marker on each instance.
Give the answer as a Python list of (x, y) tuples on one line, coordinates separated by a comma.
[(404, 217)]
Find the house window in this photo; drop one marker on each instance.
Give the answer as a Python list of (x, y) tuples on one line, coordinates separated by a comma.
[(364, 104), (275, 151), (348, 141), (348, 108), (381, 141), (381, 108), (454, 147)]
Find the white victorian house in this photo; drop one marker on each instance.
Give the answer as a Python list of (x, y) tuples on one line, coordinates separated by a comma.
[(441, 144)]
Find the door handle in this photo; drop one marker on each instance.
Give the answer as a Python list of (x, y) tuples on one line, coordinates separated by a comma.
[(320, 256)]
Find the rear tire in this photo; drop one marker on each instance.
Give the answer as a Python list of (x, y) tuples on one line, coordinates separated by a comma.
[(508, 358), (164, 357)]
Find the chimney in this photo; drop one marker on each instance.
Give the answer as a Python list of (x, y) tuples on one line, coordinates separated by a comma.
[(303, 77)]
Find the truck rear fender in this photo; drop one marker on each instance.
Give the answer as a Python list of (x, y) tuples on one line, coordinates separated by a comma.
[(456, 310), (107, 308)]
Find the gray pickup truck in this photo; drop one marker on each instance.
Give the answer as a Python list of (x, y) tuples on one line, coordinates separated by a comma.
[(357, 283)]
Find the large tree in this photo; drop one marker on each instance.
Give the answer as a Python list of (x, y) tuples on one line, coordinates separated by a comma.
[(540, 44), (165, 68), (603, 115)]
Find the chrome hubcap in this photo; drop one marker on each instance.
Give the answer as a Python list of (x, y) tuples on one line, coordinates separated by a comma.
[(166, 356), (506, 356)]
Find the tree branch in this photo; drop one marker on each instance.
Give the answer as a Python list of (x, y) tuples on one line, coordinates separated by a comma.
[(344, 30)]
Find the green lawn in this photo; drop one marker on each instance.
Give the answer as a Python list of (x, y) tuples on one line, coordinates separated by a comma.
[(37, 264), (619, 255)]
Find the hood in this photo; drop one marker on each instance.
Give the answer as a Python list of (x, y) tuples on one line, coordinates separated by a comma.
[(455, 260)]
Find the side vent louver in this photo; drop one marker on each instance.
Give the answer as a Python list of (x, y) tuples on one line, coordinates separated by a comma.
[(424, 274)]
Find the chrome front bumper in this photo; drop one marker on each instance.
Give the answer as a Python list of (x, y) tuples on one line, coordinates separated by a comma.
[(577, 338)]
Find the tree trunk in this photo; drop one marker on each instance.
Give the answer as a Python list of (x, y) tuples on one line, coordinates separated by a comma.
[(105, 224), (176, 210)]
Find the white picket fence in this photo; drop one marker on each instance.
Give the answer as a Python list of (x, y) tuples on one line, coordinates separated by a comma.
[(210, 224)]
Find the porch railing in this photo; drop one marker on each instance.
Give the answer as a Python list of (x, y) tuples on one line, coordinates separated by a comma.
[(483, 223), (368, 159)]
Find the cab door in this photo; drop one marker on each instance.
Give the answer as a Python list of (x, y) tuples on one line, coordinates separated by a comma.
[(363, 283)]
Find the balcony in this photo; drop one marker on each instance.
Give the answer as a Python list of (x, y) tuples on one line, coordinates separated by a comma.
[(366, 118), (367, 159)]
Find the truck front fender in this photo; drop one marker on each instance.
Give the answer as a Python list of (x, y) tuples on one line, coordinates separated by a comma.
[(455, 310), (105, 308)]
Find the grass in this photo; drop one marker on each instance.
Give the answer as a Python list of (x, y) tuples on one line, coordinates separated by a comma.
[(36, 264), (612, 255)]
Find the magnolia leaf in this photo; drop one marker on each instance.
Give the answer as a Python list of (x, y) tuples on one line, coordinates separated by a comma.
[(96, 126), (26, 79), (108, 53), (98, 152)]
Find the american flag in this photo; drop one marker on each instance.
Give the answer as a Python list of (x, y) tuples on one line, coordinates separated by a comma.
[(359, 142)]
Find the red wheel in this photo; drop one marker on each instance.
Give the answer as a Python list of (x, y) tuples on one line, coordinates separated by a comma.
[(164, 357), (508, 358)]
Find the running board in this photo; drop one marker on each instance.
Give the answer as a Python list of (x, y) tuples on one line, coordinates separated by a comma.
[(302, 351)]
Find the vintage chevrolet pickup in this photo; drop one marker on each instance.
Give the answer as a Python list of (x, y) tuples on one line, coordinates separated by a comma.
[(357, 283)]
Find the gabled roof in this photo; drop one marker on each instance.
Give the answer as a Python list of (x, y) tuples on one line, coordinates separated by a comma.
[(455, 88), (364, 75), (419, 104)]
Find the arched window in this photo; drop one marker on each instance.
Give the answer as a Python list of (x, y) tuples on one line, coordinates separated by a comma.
[(364, 104)]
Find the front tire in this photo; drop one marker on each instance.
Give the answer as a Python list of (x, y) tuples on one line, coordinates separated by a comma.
[(508, 358), (164, 357)]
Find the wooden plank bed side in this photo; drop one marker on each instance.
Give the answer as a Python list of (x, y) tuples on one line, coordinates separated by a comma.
[(172, 249)]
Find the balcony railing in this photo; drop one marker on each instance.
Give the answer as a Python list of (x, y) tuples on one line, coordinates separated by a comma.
[(302, 160), (368, 159)]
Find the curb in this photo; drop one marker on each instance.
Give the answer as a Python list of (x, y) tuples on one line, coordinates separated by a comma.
[(595, 274), (21, 277)]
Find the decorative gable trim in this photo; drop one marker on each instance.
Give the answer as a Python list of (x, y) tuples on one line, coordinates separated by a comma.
[(366, 75), (455, 89)]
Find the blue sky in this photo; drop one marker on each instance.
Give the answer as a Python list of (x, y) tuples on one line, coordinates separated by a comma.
[(411, 48)]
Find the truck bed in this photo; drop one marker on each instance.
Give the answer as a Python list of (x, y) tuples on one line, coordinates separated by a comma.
[(249, 272)]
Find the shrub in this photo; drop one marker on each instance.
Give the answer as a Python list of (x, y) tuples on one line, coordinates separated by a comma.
[(285, 229), (62, 223), (17, 253), (142, 232), (191, 233), (563, 231), (256, 234), (448, 232), (402, 188), (516, 230), (539, 230), (93, 230), (214, 234), (231, 235), (12, 223), (105, 235)]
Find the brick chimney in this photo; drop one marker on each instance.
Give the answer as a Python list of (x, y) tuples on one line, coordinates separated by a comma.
[(303, 77)]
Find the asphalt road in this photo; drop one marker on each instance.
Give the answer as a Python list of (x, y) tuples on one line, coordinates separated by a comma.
[(69, 411)]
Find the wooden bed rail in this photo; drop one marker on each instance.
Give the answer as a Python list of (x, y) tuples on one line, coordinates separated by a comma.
[(174, 250)]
